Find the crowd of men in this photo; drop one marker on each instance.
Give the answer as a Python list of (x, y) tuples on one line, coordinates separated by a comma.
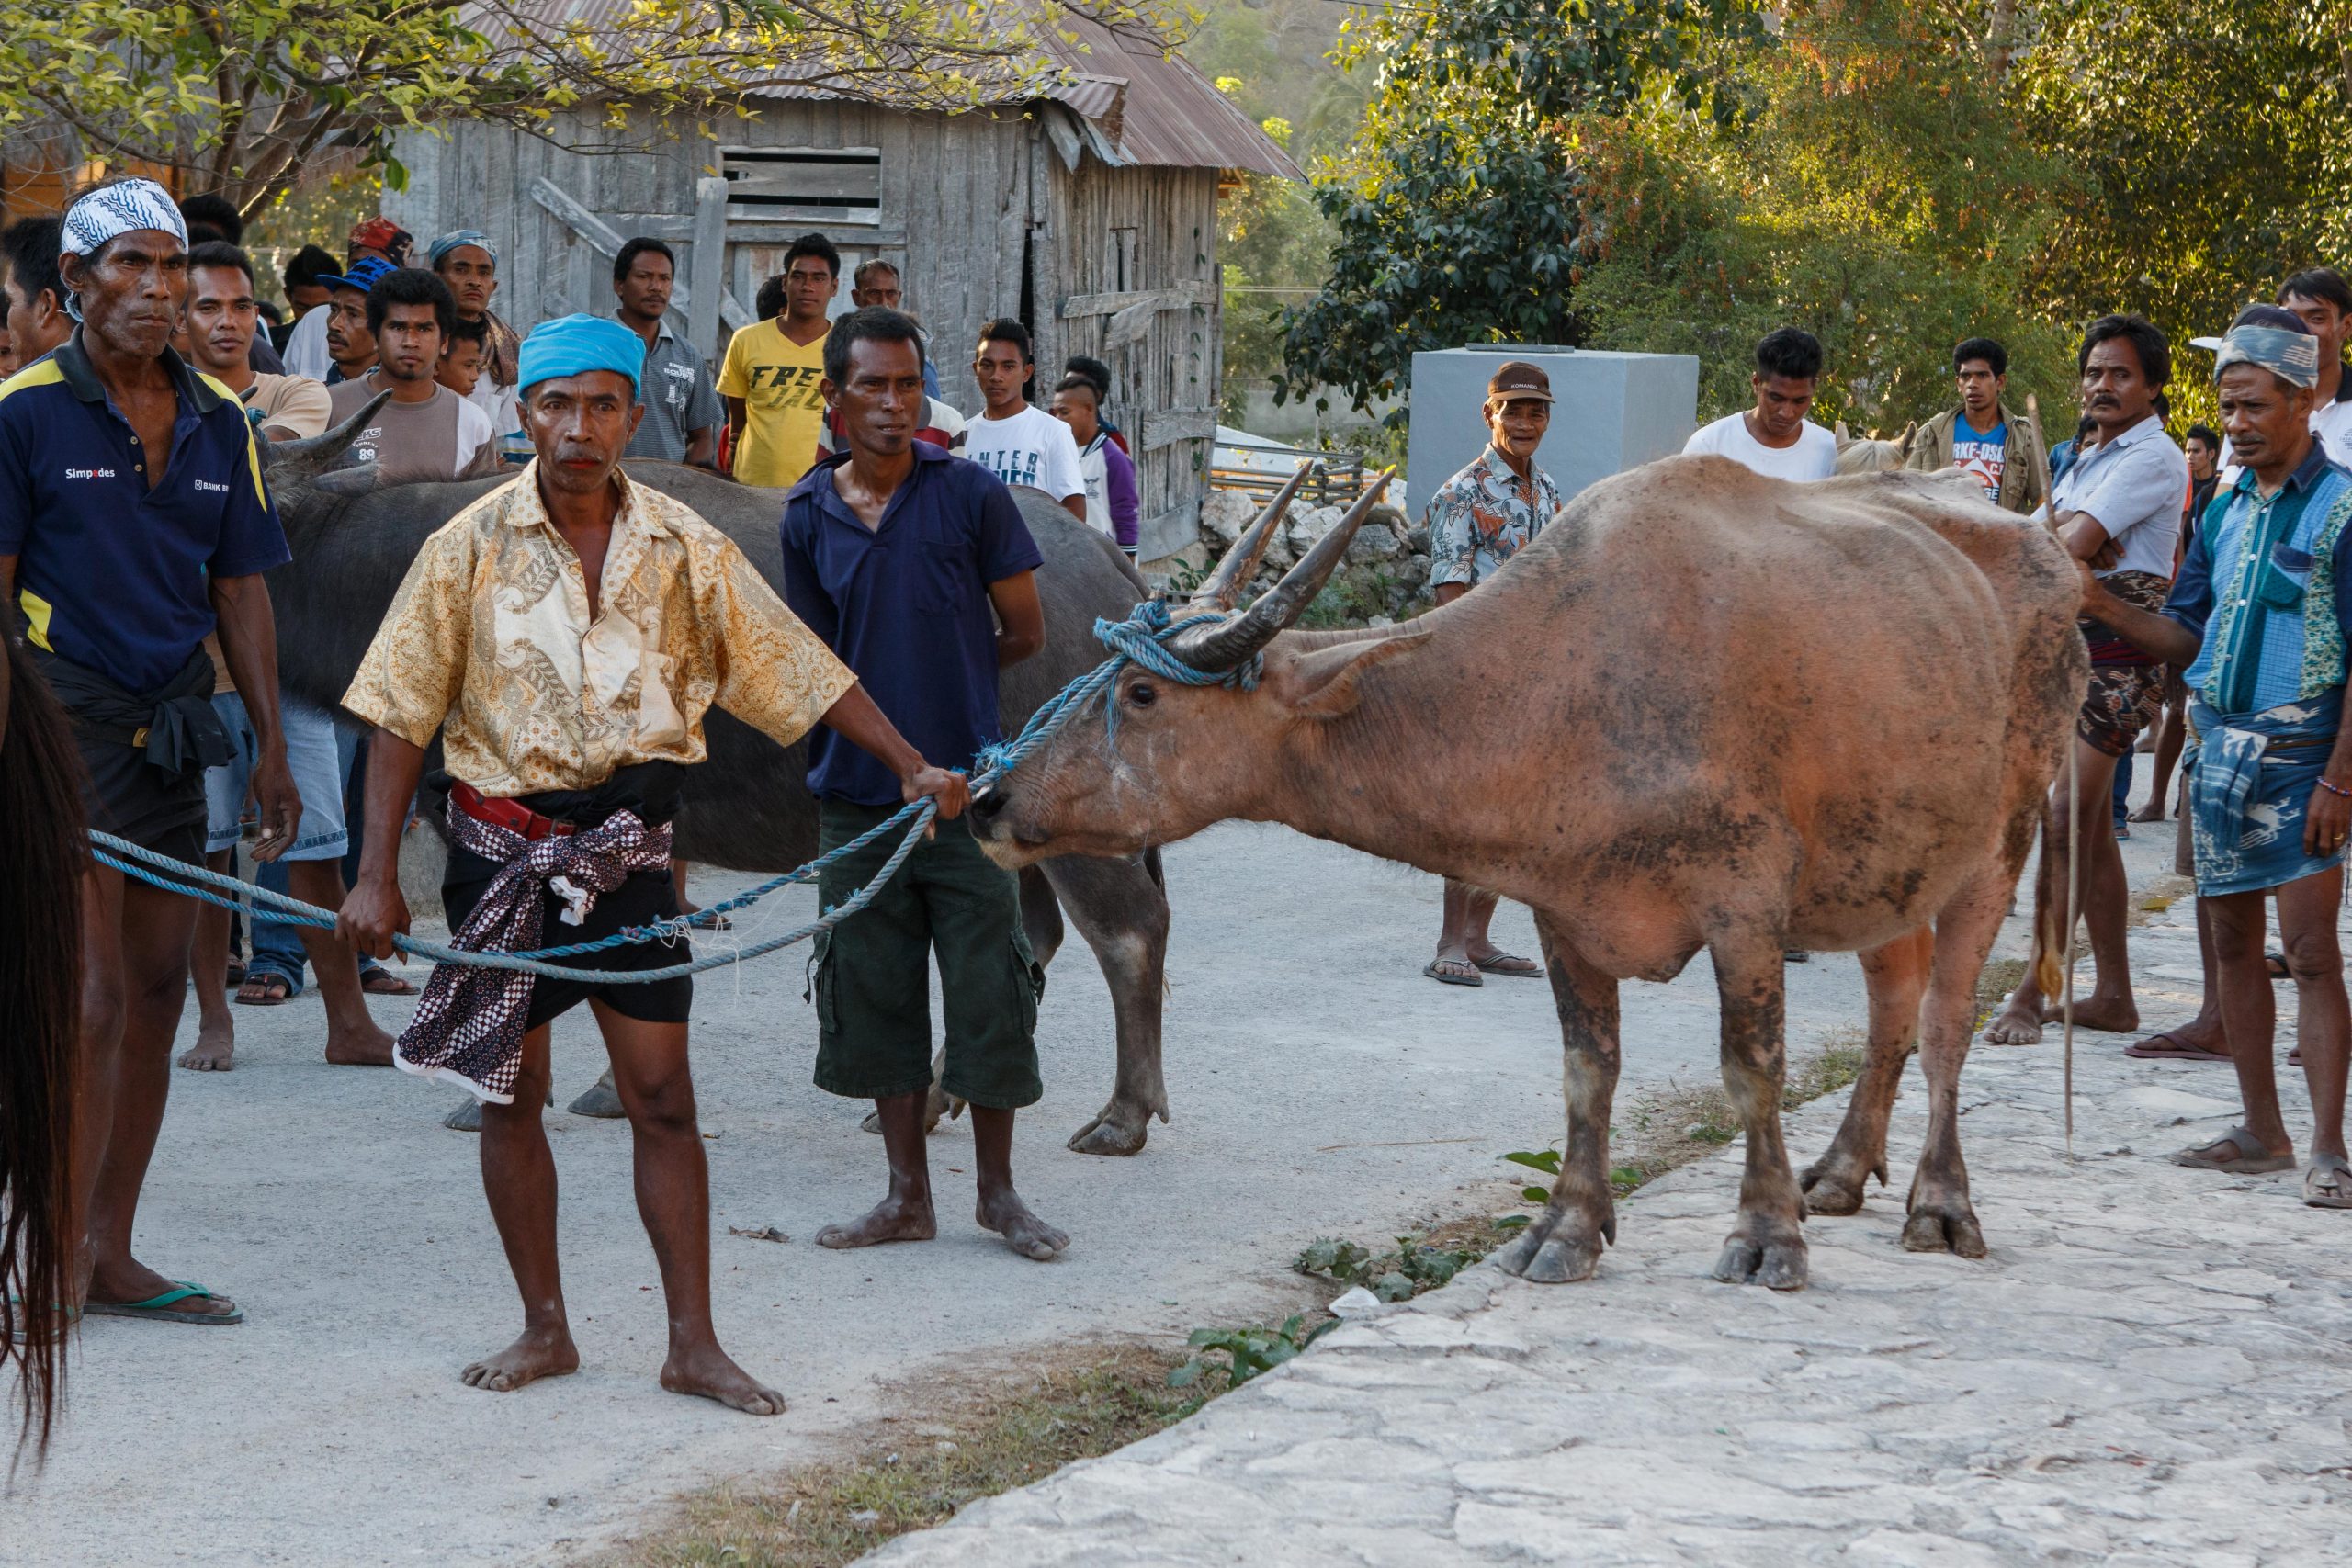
[(564, 636), (2217, 589)]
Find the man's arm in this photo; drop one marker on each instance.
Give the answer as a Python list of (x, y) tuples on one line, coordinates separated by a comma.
[(375, 908), (1020, 618), (2157, 634), (736, 417), (854, 717), (249, 642), (702, 448)]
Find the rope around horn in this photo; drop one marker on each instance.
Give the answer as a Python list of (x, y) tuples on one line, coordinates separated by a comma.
[(1141, 639)]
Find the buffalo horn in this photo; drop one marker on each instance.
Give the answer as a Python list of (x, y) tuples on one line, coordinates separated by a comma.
[(1221, 645), (297, 463), (1240, 563)]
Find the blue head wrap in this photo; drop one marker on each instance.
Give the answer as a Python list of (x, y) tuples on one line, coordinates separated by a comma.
[(457, 239), (570, 344)]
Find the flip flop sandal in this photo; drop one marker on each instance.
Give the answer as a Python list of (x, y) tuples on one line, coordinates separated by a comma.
[(2155, 1048), (158, 1309), (384, 982), (1450, 974), (2277, 964), (268, 991), (2206, 1156), (1504, 963), (2318, 1197), (2295, 1057), (16, 1336)]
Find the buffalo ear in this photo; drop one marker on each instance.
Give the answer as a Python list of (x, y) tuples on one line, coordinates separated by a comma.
[(1322, 684)]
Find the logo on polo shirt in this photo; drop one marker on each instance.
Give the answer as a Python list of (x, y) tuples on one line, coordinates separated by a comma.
[(89, 473), (208, 485)]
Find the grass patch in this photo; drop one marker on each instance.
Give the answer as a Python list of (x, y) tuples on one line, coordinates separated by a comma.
[(2000, 976), (1003, 1436)]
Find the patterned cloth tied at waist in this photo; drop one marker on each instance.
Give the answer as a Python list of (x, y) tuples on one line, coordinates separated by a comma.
[(2250, 782), (2144, 589), (469, 1024), (175, 723)]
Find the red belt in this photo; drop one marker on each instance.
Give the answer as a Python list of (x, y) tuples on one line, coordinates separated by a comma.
[(511, 815)]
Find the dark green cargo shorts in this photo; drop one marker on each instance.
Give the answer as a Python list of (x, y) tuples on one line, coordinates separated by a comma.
[(872, 972)]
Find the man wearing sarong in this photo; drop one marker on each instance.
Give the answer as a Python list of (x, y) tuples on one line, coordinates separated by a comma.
[(133, 520), (2261, 616), (2118, 508), (566, 634)]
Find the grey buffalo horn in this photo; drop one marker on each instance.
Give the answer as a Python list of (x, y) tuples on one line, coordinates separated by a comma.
[(297, 463), (1240, 563), (1225, 644)]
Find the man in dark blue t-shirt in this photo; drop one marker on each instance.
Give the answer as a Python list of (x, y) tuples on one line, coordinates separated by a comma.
[(915, 566), (133, 520)]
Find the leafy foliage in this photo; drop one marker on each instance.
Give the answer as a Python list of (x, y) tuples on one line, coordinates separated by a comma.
[(1246, 1351), (240, 94), (1458, 212), (1413, 1268)]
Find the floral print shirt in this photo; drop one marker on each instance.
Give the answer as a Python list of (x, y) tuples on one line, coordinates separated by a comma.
[(1483, 515), (490, 641)]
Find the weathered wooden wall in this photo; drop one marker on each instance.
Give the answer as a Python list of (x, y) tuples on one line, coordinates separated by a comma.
[(1119, 262)]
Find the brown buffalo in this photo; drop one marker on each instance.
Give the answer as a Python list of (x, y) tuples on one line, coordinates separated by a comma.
[(1704, 709)]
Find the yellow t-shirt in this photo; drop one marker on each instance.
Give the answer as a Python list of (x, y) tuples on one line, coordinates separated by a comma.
[(777, 380)]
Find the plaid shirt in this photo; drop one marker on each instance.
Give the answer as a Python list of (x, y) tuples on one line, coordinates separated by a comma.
[(1483, 515)]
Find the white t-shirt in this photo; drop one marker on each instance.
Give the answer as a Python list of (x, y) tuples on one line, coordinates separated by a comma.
[(1815, 456), (1032, 448), (306, 347)]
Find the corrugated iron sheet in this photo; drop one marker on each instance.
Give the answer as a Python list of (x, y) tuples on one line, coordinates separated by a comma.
[(1149, 104)]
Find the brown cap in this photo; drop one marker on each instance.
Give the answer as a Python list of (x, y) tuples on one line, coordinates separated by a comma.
[(1519, 379)]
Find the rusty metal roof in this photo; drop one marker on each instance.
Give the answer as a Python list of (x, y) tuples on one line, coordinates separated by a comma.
[(1145, 105)]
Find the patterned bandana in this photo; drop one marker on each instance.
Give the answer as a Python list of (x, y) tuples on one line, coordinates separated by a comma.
[(114, 209), (459, 239), (468, 1028)]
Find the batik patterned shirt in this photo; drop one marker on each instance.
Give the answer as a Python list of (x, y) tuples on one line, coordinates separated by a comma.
[(1482, 517), (490, 641)]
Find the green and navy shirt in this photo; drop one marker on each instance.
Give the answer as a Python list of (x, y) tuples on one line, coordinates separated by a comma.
[(111, 573)]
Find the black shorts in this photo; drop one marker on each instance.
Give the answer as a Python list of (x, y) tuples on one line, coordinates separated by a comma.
[(125, 795), (643, 897)]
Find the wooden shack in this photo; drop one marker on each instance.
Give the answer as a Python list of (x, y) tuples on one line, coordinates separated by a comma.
[(1090, 214)]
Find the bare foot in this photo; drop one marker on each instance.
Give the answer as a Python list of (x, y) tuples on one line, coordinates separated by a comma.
[(215, 1044), (1006, 1214), (710, 1372), (2152, 812), (893, 1219), (365, 1047), (2111, 1015), (2017, 1024), (538, 1353)]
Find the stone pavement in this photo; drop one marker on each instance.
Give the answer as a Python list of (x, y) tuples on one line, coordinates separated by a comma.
[(2151, 1367)]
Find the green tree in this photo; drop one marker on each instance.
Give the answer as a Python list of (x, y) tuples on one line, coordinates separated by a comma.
[(240, 94), (1458, 210), (1872, 190)]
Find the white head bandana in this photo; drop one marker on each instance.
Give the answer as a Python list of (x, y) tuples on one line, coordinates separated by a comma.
[(115, 210)]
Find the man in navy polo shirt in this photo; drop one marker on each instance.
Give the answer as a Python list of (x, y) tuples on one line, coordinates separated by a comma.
[(132, 519), (916, 569)]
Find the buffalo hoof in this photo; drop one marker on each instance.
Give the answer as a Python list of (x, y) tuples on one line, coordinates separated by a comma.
[(937, 1106), (599, 1099), (1943, 1226), (467, 1118), (1775, 1265), (1117, 1130), (1557, 1248)]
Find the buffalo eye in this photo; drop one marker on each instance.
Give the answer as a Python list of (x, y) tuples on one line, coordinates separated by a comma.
[(1142, 694)]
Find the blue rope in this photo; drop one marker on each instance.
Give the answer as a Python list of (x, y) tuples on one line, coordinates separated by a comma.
[(1141, 637)]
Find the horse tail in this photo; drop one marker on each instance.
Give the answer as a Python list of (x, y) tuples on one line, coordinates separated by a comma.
[(42, 857)]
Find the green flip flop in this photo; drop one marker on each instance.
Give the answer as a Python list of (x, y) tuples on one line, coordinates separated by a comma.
[(158, 1309)]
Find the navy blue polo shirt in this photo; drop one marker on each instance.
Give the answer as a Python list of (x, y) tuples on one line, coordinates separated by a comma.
[(111, 573), (905, 605)]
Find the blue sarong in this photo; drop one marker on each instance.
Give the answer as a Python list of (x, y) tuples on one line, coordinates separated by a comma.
[(2250, 782)]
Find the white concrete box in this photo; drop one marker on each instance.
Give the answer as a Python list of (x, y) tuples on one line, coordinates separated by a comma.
[(1611, 411)]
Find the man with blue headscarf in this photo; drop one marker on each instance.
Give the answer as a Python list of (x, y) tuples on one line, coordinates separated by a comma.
[(2260, 616), (565, 635)]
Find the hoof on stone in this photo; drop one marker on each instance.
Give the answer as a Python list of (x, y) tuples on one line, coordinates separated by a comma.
[(1556, 1250), (1829, 1191), (1944, 1228), (1776, 1266), (467, 1118), (1109, 1135), (599, 1099)]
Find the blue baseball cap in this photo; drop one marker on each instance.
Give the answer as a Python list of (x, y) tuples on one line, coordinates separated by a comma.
[(364, 275)]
